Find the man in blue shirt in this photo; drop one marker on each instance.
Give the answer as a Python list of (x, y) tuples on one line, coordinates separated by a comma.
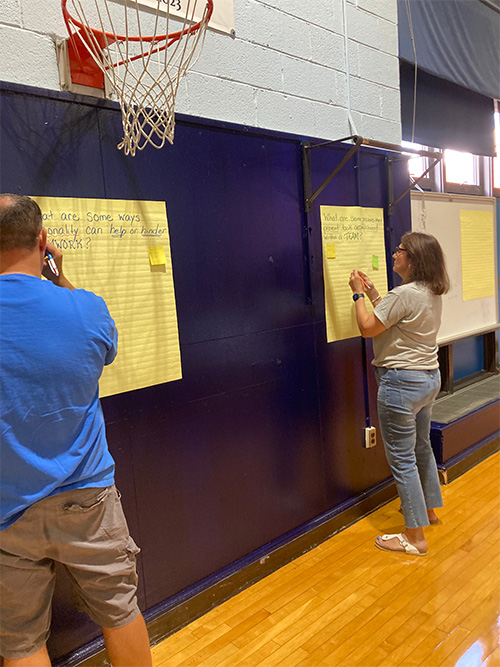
[(58, 501)]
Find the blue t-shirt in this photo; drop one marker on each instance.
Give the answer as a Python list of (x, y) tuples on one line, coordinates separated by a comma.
[(54, 343)]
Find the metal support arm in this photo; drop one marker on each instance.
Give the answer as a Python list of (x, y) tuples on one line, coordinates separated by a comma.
[(358, 142)]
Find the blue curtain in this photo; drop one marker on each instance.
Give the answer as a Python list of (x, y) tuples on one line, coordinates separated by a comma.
[(457, 48)]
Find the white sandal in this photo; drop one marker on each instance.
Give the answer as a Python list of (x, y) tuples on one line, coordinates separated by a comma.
[(407, 547)]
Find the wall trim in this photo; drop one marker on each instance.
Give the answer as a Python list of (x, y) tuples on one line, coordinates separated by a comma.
[(466, 460)]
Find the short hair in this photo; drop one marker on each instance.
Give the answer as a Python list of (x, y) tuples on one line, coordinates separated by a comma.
[(20, 222), (428, 265)]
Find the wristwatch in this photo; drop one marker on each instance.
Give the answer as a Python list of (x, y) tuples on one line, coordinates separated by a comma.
[(355, 297)]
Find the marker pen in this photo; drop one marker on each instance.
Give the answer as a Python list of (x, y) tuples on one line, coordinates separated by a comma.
[(364, 282), (51, 263)]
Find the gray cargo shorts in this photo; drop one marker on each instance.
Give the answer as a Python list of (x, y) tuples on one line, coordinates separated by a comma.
[(85, 530)]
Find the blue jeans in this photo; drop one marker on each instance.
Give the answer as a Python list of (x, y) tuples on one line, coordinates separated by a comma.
[(404, 401)]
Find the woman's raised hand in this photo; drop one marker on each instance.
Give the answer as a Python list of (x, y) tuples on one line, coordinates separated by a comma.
[(370, 288)]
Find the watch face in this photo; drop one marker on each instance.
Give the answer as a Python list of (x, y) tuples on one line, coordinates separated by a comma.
[(357, 296)]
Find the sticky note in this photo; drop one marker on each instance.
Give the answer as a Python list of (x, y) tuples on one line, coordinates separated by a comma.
[(330, 251), (374, 261), (156, 255)]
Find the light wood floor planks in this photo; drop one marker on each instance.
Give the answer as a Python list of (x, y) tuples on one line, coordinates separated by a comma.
[(347, 604)]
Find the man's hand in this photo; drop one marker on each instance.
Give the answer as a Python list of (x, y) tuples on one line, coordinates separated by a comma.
[(47, 272)]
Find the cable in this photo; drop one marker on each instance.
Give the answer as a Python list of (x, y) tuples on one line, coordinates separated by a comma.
[(408, 12), (347, 75)]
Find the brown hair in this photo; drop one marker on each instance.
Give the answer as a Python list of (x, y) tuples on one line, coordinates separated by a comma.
[(427, 260), (20, 222)]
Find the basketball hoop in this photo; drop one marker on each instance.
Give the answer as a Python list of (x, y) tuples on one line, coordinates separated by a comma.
[(143, 70)]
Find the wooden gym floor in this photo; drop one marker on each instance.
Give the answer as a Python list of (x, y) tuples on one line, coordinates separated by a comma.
[(347, 604)]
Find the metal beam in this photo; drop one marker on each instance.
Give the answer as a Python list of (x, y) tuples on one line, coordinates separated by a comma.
[(358, 142)]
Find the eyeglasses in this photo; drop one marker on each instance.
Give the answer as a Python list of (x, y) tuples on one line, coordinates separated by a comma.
[(397, 250)]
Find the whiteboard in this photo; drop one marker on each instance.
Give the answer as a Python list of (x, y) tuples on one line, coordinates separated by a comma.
[(439, 214)]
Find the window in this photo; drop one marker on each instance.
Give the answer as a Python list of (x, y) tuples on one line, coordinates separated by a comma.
[(463, 173), (418, 164), (461, 168), (460, 173)]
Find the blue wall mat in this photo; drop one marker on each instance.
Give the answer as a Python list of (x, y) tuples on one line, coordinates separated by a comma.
[(264, 431), (468, 357), (349, 468), (50, 147), (234, 226)]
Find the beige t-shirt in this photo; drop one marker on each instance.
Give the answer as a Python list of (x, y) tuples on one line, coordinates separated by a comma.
[(412, 315)]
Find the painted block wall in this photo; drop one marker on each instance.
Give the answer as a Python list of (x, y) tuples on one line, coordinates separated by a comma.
[(284, 70)]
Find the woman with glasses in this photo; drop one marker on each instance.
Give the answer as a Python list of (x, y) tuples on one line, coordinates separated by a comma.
[(404, 326)]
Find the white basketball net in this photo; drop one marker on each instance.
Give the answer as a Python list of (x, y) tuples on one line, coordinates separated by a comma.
[(143, 74)]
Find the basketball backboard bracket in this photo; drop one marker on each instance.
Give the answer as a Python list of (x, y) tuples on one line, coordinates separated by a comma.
[(79, 80)]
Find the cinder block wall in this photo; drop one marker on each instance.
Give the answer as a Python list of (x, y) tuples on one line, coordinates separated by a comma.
[(285, 69)]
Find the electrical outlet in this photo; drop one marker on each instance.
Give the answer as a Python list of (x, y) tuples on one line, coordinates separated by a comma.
[(370, 436)]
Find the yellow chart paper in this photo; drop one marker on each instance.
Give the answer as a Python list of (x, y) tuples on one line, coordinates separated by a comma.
[(358, 235), (478, 259), (107, 250)]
